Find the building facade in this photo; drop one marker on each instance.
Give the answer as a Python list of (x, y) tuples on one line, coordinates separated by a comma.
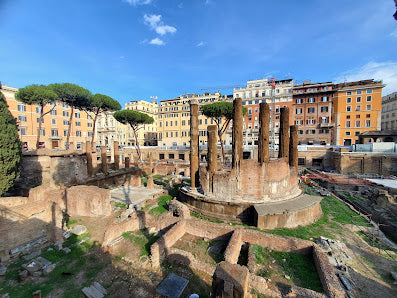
[(256, 92), (55, 124), (389, 112), (357, 108), (312, 112), (174, 119)]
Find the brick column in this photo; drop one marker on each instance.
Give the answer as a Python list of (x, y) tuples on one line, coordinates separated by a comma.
[(104, 161), (151, 158), (127, 162), (293, 147), (194, 144), (264, 121), (116, 155), (212, 148), (283, 144), (237, 149), (88, 152)]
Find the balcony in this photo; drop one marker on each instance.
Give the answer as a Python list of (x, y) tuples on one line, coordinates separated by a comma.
[(323, 125), (55, 137)]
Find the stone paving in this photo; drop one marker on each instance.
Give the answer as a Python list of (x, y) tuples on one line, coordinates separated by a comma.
[(133, 195)]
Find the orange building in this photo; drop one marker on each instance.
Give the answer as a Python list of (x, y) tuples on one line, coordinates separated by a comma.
[(54, 127), (356, 109)]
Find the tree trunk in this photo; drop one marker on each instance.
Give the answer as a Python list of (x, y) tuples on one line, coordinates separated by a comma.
[(93, 129), (220, 140), (41, 119), (138, 150), (69, 129)]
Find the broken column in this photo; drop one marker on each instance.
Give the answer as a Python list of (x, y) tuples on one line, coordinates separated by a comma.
[(88, 152), (293, 147), (263, 144), (212, 149), (194, 144), (237, 149), (116, 155), (127, 162), (104, 161), (283, 144), (151, 158)]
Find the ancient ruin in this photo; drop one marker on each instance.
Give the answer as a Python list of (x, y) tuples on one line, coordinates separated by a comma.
[(263, 191)]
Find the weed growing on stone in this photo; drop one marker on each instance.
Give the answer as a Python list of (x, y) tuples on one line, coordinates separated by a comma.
[(143, 239), (162, 206), (204, 218), (120, 205)]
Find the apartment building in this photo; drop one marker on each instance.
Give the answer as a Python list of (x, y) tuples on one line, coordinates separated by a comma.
[(357, 109), (256, 92), (108, 129), (173, 119), (54, 127), (312, 112), (389, 112)]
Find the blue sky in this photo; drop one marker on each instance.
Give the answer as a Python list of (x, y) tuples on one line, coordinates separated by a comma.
[(134, 49)]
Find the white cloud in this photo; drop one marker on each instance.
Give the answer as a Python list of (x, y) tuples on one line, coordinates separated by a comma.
[(385, 71), (200, 44), (157, 41), (138, 2), (155, 23), (394, 33)]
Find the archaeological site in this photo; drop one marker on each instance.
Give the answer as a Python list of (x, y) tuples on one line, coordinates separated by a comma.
[(106, 223)]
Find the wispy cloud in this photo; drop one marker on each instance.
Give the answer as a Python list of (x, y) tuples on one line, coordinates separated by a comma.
[(138, 2), (157, 41), (385, 71), (394, 33), (155, 23), (200, 44)]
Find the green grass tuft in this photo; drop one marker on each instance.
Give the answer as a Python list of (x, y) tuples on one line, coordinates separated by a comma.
[(143, 239), (162, 206)]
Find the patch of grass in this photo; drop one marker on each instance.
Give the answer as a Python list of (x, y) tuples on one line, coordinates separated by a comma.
[(300, 268), (162, 206), (373, 241), (71, 222), (143, 239), (261, 254), (144, 180), (120, 205), (264, 273), (147, 207), (205, 218), (351, 198)]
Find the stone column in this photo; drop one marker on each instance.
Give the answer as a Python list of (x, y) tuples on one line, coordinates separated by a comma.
[(212, 149), (237, 137), (127, 162), (264, 121), (194, 144), (151, 158), (104, 161), (293, 147), (116, 155), (88, 152), (283, 144)]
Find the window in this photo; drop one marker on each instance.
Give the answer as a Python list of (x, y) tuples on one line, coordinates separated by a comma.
[(78, 123), (324, 120), (357, 116), (38, 120), (348, 93), (310, 110), (358, 108), (348, 108), (358, 99), (89, 124), (90, 133), (166, 123), (256, 110), (65, 105), (348, 123), (299, 100), (65, 122), (324, 109), (38, 110), (368, 116), (78, 133), (65, 133), (368, 107), (369, 98), (21, 107), (249, 111), (42, 132), (77, 114), (65, 113), (299, 122), (325, 98), (348, 100), (53, 112), (311, 99), (347, 116), (311, 121), (53, 121), (200, 122), (23, 131), (54, 132), (367, 123), (22, 118), (357, 133), (358, 92), (348, 133), (358, 123), (176, 122), (369, 91)]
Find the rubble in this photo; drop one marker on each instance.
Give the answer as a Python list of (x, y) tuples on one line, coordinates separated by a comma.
[(79, 229)]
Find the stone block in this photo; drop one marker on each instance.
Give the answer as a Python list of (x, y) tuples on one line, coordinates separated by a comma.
[(230, 279), (66, 250), (58, 246), (32, 266), (43, 261), (3, 270), (92, 201), (79, 229), (32, 255), (37, 274), (94, 291), (48, 269)]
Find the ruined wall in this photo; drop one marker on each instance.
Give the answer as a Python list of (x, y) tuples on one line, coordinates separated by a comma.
[(115, 230), (90, 201), (232, 251)]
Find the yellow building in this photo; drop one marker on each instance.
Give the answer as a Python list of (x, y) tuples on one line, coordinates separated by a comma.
[(54, 127), (108, 129), (356, 109), (173, 119)]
